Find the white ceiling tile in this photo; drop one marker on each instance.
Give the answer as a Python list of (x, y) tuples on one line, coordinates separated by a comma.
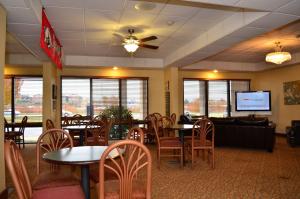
[(117, 51), (161, 26), (130, 18), (102, 20), (72, 15), (71, 42), (24, 29), (64, 3), (94, 49), (105, 4), (15, 48), (262, 4), (64, 35), (292, 8), (131, 7), (273, 20), (211, 14), (14, 3), (21, 15), (67, 26), (100, 36), (179, 11)]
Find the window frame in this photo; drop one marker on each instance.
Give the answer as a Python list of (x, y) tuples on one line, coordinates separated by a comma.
[(206, 92), (91, 78)]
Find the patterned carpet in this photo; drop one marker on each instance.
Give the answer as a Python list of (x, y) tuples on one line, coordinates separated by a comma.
[(239, 173)]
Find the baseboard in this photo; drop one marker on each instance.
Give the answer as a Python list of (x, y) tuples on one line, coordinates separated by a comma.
[(4, 194)]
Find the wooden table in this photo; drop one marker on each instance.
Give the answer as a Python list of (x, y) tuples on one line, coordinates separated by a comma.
[(182, 130), (79, 128), (83, 156)]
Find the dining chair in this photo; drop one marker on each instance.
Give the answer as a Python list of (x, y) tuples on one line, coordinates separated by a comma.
[(6, 128), (167, 144), (203, 134), (49, 124), (133, 171), (165, 124), (135, 133), (22, 183), (53, 140), (18, 135), (173, 118), (97, 132), (149, 134), (75, 120)]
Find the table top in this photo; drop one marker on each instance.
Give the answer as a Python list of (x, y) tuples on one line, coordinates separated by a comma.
[(81, 155), (182, 126)]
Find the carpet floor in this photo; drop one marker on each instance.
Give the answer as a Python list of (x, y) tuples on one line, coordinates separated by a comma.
[(239, 173)]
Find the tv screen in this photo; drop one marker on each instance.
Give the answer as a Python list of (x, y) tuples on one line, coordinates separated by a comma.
[(253, 101)]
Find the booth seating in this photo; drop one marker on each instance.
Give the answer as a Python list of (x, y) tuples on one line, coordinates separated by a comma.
[(293, 133)]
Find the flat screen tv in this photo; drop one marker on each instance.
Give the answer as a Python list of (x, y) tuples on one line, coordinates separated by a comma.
[(253, 101)]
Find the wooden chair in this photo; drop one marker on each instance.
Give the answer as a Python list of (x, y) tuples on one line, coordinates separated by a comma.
[(18, 135), (129, 184), (16, 167), (203, 134), (149, 134), (137, 134), (75, 120), (165, 124), (49, 124), (173, 118), (167, 144), (52, 140), (6, 129), (97, 132)]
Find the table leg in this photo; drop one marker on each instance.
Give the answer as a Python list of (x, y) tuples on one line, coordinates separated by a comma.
[(181, 135), (81, 138), (85, 180)]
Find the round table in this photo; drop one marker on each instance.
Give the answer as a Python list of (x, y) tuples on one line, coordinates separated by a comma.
[(83, 156)]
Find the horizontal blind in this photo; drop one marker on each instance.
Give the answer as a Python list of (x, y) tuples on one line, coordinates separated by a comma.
[(75, 96), (28, 93), (134, 97), (7, 99), (217, 98), (105, 94), (194, 97)]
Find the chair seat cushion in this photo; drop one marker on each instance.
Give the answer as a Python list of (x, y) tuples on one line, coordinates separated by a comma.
[(54, 179), (65, 192), (112, 189)]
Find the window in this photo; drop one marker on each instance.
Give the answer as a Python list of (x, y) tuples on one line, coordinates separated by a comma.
[(79, 93), (194, 97), (215, 98), (28, 94), (75, 96), (236, 85), (134, 97), (105, 94)]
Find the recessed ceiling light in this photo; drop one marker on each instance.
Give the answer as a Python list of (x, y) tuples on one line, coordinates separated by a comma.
[(144, 6), (170, 22), (215, 71), (115, 68)]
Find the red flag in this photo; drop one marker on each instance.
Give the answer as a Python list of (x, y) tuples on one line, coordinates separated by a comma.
[(49, 42)]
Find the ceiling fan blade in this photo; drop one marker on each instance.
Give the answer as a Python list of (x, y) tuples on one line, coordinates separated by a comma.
[(148, 39), (148, 46)]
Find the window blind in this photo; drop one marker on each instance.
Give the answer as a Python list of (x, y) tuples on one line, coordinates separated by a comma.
[(217, 98), (194, 97)]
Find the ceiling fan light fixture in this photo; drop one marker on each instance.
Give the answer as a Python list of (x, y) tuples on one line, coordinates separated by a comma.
[(279, 56), (131, 45)]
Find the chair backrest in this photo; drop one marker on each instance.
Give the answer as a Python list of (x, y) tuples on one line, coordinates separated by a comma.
[(154, 124), (157, 115), (203, 130), (98, 130), (23, 124), (16, 167), (127, 168), (164, 123), (76, 119), (49, 124), (6, 128), (173, 118), (52, 140), (136, 133)]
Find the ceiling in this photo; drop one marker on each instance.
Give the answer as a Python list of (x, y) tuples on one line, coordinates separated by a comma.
[(188, 31)]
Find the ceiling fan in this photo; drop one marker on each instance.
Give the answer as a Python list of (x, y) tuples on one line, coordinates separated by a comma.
[(132, 43)]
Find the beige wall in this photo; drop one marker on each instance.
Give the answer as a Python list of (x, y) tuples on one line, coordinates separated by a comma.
[(207, 75), (23, 70), (2, 63), (273, 80)]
